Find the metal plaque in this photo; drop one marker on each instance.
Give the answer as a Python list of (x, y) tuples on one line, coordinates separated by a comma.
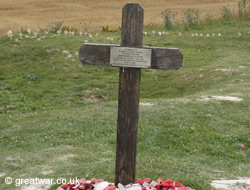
[(130, 57)]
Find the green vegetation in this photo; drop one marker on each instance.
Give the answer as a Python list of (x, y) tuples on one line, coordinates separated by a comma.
[(244, 9), (192, 20), (58, 117), (226, 13), (55, 27), (169, 19)]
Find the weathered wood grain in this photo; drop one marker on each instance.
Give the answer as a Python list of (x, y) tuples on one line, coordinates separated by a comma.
[(129, 85), (129, 97), (162, 58)]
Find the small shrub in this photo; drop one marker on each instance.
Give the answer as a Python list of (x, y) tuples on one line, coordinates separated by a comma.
[(107, 29), (43, 30), (169, 19), (244, 3), (246, 14), (209, 19), (23, 30), (69, 29), (55, 27), (85, 27), (191, 18), (240, 9), (226, 13), (151, 25), (244, 9)]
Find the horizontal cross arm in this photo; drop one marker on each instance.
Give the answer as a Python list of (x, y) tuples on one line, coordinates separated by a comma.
[(161, 58)]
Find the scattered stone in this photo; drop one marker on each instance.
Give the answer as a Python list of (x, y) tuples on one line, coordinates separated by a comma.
[(146, 104), (2, 174)]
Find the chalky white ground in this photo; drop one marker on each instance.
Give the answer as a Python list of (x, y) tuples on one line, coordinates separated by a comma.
[(2, 174), (239, 184), (146, 104), (225, 98), (208, 98)]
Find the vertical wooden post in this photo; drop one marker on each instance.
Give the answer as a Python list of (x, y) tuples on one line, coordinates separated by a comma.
[(129, 95)]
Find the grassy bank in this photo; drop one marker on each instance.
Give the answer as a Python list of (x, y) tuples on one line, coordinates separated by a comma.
[(58, 117)]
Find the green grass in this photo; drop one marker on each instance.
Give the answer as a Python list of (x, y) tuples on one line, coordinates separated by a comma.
[(46, 126)]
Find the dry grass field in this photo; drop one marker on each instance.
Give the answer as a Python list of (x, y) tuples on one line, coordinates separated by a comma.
[(15, 14), (34, 14)]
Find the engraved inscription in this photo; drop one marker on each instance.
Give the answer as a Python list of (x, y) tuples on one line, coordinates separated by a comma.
[(130, 57)]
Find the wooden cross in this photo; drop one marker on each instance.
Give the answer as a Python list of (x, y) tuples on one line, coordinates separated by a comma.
[(130, 56)]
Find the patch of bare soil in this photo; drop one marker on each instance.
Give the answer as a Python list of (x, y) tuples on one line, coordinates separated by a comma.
[(89, 96), (93, 99), (239, 184), (221, 98), (66, 157)]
